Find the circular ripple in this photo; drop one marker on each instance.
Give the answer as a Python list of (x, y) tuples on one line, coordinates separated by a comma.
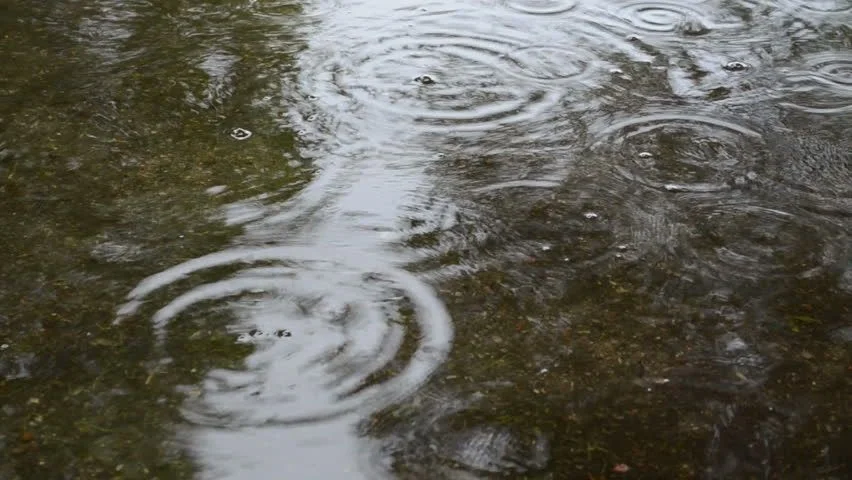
[(832, 7), (542, 7), (484, 72), (680, 152), (470, 91), (742, 238), (343, 314), (663, 16), (543, 62), (815, 170), (734, 76), (824, 85)]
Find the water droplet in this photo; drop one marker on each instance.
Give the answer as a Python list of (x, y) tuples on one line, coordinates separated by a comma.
[(693, 27), (735, 66), (240, 134), (425, 80)]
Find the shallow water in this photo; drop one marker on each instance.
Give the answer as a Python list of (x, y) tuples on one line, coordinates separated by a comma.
[(451, 239)]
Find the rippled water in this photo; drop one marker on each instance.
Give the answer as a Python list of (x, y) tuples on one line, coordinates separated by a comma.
[(465, 239)]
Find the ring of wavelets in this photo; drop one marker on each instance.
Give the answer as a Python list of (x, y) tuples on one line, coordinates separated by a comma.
[(592, 207), (551, 63), (717, 139), (819, 6), (476, 83), (470, 92), (833, 69), (826, 81), (488, 70), (308, 276), (660, 16), (541, 7), (748, 240), (816, 172)]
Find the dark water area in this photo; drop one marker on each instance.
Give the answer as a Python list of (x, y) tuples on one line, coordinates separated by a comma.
[(375, 239)]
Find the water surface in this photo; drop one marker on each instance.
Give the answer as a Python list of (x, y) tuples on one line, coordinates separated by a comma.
[(382, 239)]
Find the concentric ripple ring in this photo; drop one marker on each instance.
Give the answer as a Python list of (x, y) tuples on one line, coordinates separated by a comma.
[(320, 272), (542, 7)]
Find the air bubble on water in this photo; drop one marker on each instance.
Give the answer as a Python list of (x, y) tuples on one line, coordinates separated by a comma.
[(735, 66), (240, 134), (693, 27), (425, 80)]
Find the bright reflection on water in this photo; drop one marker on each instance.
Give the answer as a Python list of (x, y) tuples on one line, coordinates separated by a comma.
[(656, 128)]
